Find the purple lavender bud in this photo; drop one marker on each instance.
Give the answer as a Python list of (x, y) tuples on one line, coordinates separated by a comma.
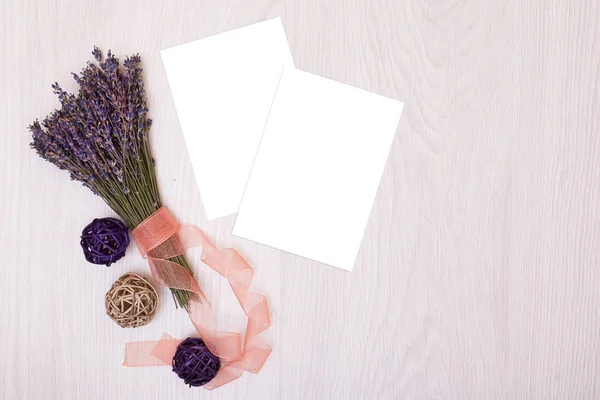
[(97, 54)]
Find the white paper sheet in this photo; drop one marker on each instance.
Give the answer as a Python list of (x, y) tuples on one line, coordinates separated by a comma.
[(318, 168), (223, 87)]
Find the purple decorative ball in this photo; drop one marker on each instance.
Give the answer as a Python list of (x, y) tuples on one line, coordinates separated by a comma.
[(104, 241), (194, 363)]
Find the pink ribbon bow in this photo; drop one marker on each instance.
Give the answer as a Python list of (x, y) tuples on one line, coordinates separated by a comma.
[(161, 237)]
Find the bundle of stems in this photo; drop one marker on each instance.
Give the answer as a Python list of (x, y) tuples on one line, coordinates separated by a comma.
[(100, 136)]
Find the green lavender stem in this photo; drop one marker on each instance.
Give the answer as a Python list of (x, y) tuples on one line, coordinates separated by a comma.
[(142, 201)]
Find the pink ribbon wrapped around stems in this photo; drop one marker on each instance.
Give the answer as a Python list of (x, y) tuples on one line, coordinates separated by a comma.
[(161, 237)]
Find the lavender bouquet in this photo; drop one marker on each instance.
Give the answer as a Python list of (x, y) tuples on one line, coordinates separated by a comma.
[(100, 136)]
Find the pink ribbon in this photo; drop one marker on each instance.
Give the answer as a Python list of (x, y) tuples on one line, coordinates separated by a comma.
[(161, 237)]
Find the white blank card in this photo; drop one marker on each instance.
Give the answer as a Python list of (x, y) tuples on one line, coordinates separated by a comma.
[(223, 87), (318, 168)]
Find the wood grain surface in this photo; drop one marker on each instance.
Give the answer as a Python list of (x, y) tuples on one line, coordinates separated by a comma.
[(478, 275)]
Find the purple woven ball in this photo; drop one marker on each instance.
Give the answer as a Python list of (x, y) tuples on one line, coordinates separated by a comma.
[(104, 241), (194, 363)]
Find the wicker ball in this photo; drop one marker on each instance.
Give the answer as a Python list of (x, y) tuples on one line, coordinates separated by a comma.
[(104, 241), (194, 363), (131, 301)]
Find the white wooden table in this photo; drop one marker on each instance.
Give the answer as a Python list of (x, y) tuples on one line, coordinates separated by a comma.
[(478, 276)]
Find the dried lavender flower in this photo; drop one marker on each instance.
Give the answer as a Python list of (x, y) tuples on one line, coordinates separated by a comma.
[(100, 136)]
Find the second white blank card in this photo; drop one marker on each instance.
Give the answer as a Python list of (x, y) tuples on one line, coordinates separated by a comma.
[(318, 167)]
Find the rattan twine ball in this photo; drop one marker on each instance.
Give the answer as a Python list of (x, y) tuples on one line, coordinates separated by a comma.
[(104, 241), (194, 363), (131, 301)]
